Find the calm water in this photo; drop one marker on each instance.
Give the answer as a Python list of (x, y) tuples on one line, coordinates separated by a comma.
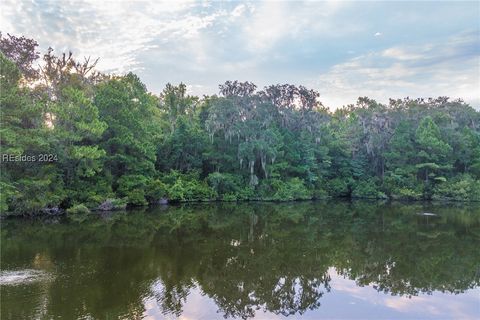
[(306, 260)]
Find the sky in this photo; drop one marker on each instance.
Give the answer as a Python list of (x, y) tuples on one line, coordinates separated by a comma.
[(341, 49)]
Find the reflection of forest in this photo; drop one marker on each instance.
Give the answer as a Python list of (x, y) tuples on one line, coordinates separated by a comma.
[(269, 256)]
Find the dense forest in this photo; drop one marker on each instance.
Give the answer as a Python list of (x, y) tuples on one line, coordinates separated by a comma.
[(76, 139)]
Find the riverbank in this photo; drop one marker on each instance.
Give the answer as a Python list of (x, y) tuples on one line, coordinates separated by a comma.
[(120, 206)]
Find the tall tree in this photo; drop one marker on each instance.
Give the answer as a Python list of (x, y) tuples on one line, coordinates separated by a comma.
[(432, 150), (131, 114)]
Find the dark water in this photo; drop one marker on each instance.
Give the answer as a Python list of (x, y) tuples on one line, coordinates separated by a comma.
[(306, 260)]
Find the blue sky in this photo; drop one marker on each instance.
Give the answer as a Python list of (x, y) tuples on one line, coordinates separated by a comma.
[(342, 49)]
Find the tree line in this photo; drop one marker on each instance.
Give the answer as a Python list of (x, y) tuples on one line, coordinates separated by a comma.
[(108, 139)]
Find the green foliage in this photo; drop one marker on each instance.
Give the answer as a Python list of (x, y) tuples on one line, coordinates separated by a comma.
[(118, 204), (78, 209), (278, 190), (319, 192), (367, 189), (187, 187), (184, 190), (91, 192), (130, 113), (133, 187), (338, 187), (246, 193), (155, 191), (292, 189), (76, 133), (7, 191), (224, 184), (433, 150), (27, 187), (406, 194), (460, 188), (401, 185), (183, 148), (468, 151), (34, 195)]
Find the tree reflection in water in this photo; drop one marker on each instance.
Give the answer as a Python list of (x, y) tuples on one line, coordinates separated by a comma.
[(245, 257)]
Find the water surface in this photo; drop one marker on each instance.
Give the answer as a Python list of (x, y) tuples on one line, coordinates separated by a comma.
[(306, 260)]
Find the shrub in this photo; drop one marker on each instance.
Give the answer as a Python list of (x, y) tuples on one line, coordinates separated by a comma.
[(224, 183), (133, 188), (229, 197), (402, 185), (319, 191), (406, 194), (156, 190), (246, 193), (367, 189), (320, 194), (266, 189), (7, 191), (278, 190), (461, 188), (90, 193), (78, 209), (197, 190), (32, 196), (187, 187), (338, 188), (136, 197), (93, 199), (176, 192), (292, 189)]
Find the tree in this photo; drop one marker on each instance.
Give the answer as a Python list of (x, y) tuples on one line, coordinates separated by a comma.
[(76, 130), (433, 151), (21, 51), (28, 185), (183, 149), (131, 114)]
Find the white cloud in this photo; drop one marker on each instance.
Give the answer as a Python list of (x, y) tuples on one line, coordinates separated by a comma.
[(402, 54), (378, 34), (115, 31), (274, 21), (430, 70), (436, 305), (239, 10)]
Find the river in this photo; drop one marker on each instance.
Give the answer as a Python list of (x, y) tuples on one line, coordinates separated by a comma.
[(299, 260)]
